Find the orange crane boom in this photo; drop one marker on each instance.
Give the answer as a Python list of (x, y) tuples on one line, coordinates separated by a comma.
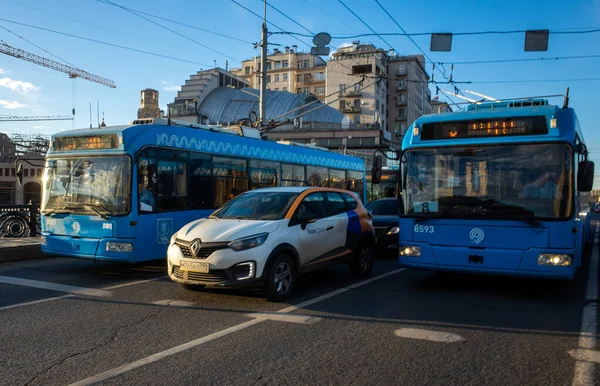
[(72, 71)]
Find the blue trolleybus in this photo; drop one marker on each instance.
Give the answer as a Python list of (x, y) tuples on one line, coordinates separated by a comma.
[(495, 189), (119, 193)]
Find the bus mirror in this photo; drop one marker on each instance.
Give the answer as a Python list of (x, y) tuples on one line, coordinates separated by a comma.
[(376, 170), (585, 176), (19, 173)]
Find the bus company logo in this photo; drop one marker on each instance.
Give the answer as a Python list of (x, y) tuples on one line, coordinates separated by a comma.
[(195, 246), (76, 227), (476, 235)]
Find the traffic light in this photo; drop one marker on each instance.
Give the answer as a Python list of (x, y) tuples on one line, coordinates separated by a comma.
[(376, 169)]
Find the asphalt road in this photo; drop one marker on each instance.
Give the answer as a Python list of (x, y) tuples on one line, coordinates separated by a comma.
[(66, 321)]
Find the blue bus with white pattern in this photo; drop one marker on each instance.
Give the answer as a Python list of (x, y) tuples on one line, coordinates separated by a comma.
[(495, 189), (119, 193)]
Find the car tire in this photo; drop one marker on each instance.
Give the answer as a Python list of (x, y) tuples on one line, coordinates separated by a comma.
[(362, 263), (192, 287), (280, 279)]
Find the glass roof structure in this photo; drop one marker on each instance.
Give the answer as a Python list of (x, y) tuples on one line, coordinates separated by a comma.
[(226, 104)]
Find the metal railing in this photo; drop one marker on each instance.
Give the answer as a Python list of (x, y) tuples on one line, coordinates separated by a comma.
[(20, 220)]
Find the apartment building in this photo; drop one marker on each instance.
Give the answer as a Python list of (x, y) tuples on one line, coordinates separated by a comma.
[(408, 94), (287, 70)]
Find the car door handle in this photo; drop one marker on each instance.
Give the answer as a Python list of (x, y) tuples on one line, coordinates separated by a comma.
[(329, 228)]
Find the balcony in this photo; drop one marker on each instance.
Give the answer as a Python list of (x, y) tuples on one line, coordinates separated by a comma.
[(350, 110), (401, 102), (353, 93)]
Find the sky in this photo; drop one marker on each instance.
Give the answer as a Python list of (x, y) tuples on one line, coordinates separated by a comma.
[(225, 31)]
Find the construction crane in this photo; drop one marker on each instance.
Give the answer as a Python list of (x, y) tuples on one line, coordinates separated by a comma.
[(36, 118), (73, 72)]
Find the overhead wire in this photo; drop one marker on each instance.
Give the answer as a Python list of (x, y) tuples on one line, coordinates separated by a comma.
[(35, 45), (168, 29), (416, 45), (105, 43), (87, 23), (182, 24)]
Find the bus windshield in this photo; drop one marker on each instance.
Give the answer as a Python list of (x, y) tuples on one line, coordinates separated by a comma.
[(91, 185), (522, 182)]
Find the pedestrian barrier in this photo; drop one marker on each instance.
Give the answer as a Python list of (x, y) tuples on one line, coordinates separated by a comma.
[(20, 220)]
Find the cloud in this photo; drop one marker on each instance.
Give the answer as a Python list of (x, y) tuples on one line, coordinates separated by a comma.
[(17, 85), (170, 86), (2, 71), (11, 105), (38, 126)]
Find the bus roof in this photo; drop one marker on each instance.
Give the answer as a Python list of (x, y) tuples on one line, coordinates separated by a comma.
[(562, 124), (235, 141)]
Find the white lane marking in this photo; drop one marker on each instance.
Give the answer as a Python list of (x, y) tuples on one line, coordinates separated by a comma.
[(54, 286), (35, 302), (430, 335), (586, 355), (174, 303), (584, 370), (290, 318), (189, 345), (131, 283)]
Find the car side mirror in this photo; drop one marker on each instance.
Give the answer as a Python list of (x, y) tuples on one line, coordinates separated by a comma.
[(585, 176), (306, 221), (376, 169)]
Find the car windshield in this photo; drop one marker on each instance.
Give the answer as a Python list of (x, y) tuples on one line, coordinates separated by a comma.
[(383, 208), (91, 185), (523, 182), (257, 205)]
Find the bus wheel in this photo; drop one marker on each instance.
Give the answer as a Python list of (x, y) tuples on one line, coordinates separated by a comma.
[(192, 287)]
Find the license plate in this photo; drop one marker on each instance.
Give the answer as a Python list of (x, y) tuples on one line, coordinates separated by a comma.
[(194, 266)]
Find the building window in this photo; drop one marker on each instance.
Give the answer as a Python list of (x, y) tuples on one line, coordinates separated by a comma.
[(320, 76), (247, 70), (284, 89), (25, 172), (305, 90), (268, 78), (357, 119), (400, 128), (278, 64), (276, 77), (320, 90), (342, 105), (298, 91), (276, 89), (342, 89), (285, 76), (285, 64), (304, 64), (268, 65)]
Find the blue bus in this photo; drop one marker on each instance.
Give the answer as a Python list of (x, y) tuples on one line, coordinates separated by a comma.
[(495, 189), (119, 193)]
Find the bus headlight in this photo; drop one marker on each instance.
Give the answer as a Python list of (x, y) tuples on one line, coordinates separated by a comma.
[(410, 251), (394, 231), (119, 247), (555, 259), (43, 240)]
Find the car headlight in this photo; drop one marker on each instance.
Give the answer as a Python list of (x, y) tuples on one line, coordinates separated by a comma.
[(394, 231), (173, 238), (248, 242), (410, 251), (555, 259)]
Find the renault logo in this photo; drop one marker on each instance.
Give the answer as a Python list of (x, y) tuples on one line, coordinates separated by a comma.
[(195, 247)]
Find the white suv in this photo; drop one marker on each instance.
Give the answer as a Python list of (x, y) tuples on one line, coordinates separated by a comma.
[(267, 237)]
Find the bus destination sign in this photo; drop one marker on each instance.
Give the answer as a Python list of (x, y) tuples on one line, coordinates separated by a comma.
[(96, 142), (498, 127)]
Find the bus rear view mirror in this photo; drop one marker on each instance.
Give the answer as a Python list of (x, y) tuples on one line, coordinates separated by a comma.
[(376, 169), (585, 176), (19, 173)]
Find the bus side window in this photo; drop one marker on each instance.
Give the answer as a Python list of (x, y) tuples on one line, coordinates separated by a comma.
[(317, 176), (172, 180), (147, 176), (230, 178), (199, 170), (355, 183)]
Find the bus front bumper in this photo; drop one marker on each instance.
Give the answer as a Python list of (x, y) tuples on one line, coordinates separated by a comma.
[(108, 249), (488, 261)]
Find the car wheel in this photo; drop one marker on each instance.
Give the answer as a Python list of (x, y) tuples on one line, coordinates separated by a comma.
[(192, 287), (281, 279), (362, 264)]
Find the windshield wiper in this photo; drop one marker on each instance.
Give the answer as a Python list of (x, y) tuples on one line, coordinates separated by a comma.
[(495, 209), (62, 210), (94, 207)]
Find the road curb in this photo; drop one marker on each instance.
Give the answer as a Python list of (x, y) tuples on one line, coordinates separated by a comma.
[(21, 252)]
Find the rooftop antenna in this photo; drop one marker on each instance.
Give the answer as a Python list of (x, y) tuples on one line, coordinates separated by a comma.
[(90, 115), (566, 104), (98, 113)]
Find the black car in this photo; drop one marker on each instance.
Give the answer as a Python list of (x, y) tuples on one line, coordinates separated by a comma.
[(385, 222)]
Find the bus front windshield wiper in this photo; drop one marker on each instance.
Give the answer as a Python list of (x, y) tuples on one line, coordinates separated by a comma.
[(61, 210), (94, 207), (496, 210)]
